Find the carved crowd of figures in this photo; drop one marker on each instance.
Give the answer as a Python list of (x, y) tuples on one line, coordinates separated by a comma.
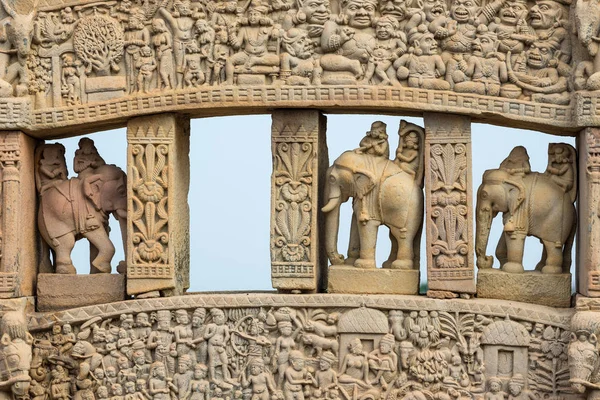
[(96, 51), (300, 354)]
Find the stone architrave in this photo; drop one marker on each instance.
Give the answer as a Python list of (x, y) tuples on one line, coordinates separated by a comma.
[(449, 203), (158, 225), (588, 236), (300, 160), (18, 238)]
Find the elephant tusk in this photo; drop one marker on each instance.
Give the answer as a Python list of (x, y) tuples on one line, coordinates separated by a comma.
[(331, 204)]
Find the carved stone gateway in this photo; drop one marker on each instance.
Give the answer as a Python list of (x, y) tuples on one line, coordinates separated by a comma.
[(342, 326)]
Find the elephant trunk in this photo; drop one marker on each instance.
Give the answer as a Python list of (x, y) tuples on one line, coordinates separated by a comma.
[(483, 226), (332, 223)]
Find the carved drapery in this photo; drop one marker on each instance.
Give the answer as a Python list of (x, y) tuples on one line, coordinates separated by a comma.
[(449, 210), (299, 160), (158, 222)]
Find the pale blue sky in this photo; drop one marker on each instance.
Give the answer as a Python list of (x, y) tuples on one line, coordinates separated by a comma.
[(230, 189)]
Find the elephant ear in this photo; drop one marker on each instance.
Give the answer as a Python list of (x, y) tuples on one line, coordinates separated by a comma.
[(92, 189), (363, 183)]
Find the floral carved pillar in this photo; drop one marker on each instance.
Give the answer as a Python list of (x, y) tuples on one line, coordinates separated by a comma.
[(588, 233), (18, 215), (449, 209), (158, 179), (300, 160)]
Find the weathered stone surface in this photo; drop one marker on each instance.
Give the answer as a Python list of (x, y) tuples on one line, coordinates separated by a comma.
[(553, 290), (158, 248), (300, 159), (449, 195), (60, 292), (348, 279)]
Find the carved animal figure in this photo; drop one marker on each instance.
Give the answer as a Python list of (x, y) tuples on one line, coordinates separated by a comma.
[(383, 194), (532, 204), (15, 356), (319, 343), (79, 208)]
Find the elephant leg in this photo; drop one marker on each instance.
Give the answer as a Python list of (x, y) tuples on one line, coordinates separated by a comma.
[(542, 261), (554, 259), (393, 251), (514, 252), (64, 264), (106, 250), (501, 250), (404, 255), (354, 243), (368, 240)]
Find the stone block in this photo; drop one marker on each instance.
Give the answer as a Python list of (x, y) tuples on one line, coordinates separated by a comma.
[(553, 290), (348, 279), (63, 291)]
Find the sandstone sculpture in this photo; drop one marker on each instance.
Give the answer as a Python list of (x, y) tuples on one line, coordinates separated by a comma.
[(533, 204), (71, 209), (384, 192)]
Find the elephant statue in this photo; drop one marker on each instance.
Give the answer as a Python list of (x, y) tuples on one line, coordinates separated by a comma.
[(76, 208), (384, 192), (533, 204), (15, 356)]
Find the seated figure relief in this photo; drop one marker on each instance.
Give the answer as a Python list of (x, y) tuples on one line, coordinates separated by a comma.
[(74, 208), (532, 204), (461, 45)]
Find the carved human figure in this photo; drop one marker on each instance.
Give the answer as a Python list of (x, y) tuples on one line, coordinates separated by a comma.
[(407, 17), (259, 380), (182, 380), (184, 335), (137, 36), (408, 153), (511, 27), (298, 67), (310, 18), (217, 335), (143, 327), (145, 64), (516, 389), (162, 336), (193, 75), (200, 386), (486, 70), (160, 387), (162, 40), (424, 67), (206, 44), (52, 166), (296, 376), (561, 166), (390, 45), (181, 22), (383, 362), (325, 376), (495, 390), (375, 141), (286, 343), (538, 76), (198, 330), (549, 19), (71, 83), (355, 366), (348, 44), (252, 42)]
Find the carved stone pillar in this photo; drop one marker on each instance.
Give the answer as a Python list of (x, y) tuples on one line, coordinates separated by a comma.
[(449, 204), (158, 176), (588, 234), (18, 237), (300, 160)]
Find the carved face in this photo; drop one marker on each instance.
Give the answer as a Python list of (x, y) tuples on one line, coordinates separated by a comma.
[(539, 55), (494, 387), (298, 364), (463, 10), (102, 392), (159, 371), (544, 14), (255, 369), (324, 365), (483, 45), (433, 9), (512, 11), (182, 366), (427, 44), (393, 8), (199, 373), (254, 17), (183, 8), (360, 13), (514, 388), (384, 30), (316, 11), (385, 348), (182, 318), (301, 46), (583, 360)]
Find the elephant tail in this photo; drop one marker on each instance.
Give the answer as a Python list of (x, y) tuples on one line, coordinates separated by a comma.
[(567, 258)]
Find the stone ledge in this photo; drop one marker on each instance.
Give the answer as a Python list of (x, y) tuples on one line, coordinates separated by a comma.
[(347, 279), (553, 290), (59, 291)]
